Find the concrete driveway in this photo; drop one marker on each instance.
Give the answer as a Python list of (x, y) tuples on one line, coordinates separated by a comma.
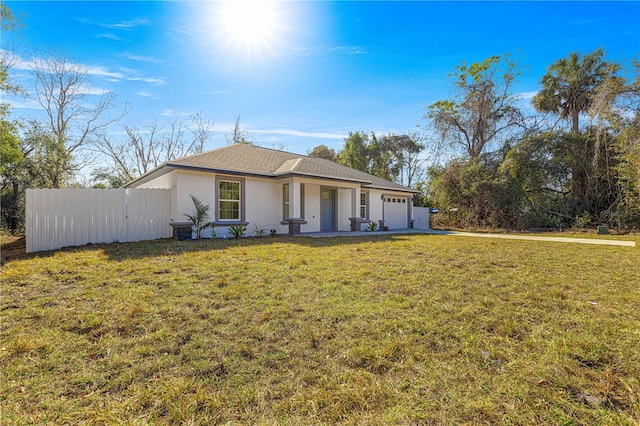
[(476, 235)]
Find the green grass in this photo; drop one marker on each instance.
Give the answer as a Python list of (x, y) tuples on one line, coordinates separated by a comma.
[(420, 329)]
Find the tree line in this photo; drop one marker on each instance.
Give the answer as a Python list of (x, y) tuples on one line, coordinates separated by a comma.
[(493, 162), (543, 169), (482, 156)]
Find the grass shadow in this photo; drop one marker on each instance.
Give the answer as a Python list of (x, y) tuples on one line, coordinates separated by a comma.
[(169, 247)]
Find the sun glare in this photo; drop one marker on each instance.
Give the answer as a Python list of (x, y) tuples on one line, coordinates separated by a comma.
[(250, 23)]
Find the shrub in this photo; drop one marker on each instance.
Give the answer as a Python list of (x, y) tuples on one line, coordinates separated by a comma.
[(584, 221), (199, 217), (238, 231), (260, 232)]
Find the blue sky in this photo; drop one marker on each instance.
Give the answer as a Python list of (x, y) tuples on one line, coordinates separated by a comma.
[(318, 69)]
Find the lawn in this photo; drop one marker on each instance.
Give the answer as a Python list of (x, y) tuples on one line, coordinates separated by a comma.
[(420, 329)]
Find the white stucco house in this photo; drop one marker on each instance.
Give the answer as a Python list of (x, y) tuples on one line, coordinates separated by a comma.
[(272, 189)]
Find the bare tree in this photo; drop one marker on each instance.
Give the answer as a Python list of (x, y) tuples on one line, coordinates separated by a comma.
[(279, 146), (151, 145), (406, 150), (239, 134), (61, 89), (483, 111)]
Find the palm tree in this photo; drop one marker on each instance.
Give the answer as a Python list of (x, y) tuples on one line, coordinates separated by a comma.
[(568, 86), (568, 89), (199, 217)]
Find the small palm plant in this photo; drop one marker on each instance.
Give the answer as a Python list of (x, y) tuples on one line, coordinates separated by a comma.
[(372, 226), (237, 231), (199, 217), (260, 232)]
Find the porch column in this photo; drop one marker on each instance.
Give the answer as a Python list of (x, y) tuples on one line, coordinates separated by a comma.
[(295, 210), (355, 202), (410, 212), (355, 219)]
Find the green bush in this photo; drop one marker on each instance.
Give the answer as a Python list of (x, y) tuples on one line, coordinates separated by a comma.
[(238, 231)]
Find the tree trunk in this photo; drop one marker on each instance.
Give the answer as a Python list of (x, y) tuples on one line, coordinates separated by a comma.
[(12, 220), (575, 125)]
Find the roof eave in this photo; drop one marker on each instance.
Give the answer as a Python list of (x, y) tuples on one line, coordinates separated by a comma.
[(219, 170), (147, 176), (170, 166), (317, 176), (387, 188)]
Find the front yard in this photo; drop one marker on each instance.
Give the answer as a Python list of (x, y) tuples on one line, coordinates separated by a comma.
[(381, 330)]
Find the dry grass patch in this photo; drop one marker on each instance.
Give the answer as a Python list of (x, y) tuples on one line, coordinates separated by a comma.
[(388, 329)]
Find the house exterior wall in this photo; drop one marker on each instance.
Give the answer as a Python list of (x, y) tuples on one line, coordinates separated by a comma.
[(343, 214), (311, 207), (264, 205), (263, 201), (375, 205), (202, 186)]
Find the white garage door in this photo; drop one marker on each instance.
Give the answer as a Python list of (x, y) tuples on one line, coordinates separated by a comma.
[(395, 212)]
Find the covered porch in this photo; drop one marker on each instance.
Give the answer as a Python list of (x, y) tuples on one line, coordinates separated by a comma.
[(320, 206)]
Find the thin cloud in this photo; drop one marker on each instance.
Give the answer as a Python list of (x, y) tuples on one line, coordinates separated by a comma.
[(218, 92), (525, 96), (590, 20), (89, 90), (348, 50), (171, 113), (160, 81), (523, 100), (102, 72), (109, 36), (127, 74), (140, 58), (318, 51), (121, 25), (25, 104), (293, 132), (144, 94)]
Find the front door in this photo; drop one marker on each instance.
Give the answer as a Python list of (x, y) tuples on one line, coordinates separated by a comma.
[(327, 209)]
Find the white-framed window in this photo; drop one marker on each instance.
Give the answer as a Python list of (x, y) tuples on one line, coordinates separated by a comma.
[(229, 207), (363, 204)]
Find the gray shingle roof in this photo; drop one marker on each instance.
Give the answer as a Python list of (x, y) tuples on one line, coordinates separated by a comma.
[(253, 160)]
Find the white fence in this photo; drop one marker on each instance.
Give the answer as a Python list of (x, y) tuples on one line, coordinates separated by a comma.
[(58, 218), (421, 217)]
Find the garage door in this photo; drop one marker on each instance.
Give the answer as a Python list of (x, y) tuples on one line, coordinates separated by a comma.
[(395, 212)]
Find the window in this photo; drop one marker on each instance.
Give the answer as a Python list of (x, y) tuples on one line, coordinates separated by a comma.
[(363, 205), (285, 201), (286, 205), (228, 200)]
